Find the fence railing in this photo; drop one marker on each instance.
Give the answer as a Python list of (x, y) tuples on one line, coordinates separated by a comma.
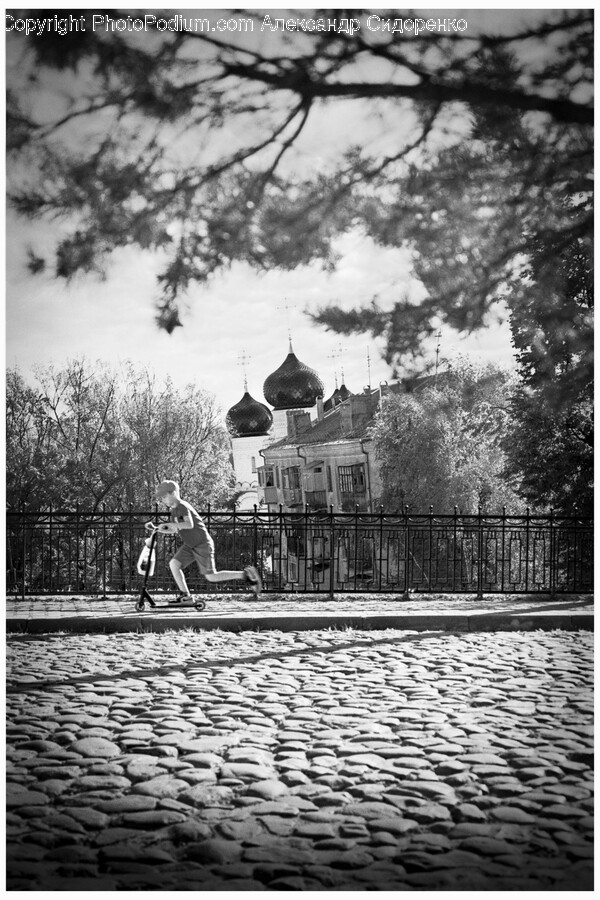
[(79, 552)]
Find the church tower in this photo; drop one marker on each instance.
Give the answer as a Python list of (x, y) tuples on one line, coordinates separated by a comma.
[(294, 386), (248, 423)]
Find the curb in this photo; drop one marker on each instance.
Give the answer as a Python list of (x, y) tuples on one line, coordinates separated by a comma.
[(451, 622)]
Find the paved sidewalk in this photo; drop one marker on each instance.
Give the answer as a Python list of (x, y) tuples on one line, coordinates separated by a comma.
[(293, 612)]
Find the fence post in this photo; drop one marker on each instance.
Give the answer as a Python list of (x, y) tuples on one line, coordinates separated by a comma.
[(49, 551), (503, 557), (406, 551), (281, 534), (381, 548), (234, 539), (331, 551), (430, 559), (104, 551), (479, 555), (455, 558), (355, 543), (255, 538), (552, 557), (131, 547), (23, 548), (77, 585), (527, 525)]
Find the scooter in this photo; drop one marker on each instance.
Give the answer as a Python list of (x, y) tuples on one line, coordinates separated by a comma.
[(145, 567)]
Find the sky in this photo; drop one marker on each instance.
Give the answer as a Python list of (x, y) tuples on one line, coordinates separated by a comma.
[(237, 327)]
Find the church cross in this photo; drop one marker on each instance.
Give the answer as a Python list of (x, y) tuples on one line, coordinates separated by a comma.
[(242, 361)]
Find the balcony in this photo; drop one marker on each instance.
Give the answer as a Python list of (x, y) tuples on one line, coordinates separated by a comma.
[(350, 501), (271, 494), (316, 500), (292, 496)]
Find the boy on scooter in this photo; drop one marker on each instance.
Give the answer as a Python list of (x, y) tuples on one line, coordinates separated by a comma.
[(198, 546)]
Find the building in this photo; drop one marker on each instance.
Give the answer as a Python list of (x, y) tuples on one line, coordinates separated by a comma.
[(308, 453), (323, 464), (293, 388), (249, 423), (326, 462)]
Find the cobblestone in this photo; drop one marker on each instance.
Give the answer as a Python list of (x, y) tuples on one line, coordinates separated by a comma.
[(341, 759)]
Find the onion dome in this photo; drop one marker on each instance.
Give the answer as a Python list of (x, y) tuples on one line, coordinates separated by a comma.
[(248, 417), (293, 385)]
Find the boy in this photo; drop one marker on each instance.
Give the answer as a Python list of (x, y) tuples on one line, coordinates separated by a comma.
[(198, 546)]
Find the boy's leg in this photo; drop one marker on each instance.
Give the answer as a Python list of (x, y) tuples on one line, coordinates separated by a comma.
[(205, 557), (224, 575), (249, 575), (176, 566), (177, 572)]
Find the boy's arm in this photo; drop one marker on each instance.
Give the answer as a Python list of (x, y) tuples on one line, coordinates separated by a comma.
[(179, 523), (184, 521)]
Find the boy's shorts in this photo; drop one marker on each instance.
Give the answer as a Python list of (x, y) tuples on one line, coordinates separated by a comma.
[(203, 554)]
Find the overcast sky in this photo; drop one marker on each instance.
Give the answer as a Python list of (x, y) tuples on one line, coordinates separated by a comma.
[(239, 313)]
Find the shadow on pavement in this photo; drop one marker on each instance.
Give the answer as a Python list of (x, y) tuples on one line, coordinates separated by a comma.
[(28, 686)]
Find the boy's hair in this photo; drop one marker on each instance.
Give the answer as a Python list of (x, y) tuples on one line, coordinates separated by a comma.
[(167, 487)]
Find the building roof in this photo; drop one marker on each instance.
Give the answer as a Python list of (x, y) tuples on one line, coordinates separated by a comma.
[(340, 394), (350, 420)]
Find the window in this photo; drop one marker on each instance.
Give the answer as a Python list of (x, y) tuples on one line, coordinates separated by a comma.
[(268, 476), (353, 487), (352, 479), (253, 463), (291, 478)]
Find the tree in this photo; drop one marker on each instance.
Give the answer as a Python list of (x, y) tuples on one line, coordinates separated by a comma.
[(440, 445), (550, 449), (87, 435), (551, 462), (63, 440), (29, 437), (190, 143), (175, 434)]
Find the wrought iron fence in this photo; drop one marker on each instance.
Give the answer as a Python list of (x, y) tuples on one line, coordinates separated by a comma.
[(59, 552)]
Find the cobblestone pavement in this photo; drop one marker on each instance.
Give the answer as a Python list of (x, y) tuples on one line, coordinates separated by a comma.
[(309, 760)]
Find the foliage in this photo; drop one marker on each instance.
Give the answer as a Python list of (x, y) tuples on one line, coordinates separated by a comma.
[(191, 143), (551, 318), (551, 444), (88, 435), (178, 432), (440, 445), (549, 457)]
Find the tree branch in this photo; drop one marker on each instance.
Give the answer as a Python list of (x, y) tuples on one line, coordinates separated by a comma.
[(430, 90)]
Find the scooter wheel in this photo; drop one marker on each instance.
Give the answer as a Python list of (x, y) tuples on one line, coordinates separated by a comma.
[(200, 604), (140, 605)]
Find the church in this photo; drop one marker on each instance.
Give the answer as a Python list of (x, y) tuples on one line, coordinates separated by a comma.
[(303, 451)]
